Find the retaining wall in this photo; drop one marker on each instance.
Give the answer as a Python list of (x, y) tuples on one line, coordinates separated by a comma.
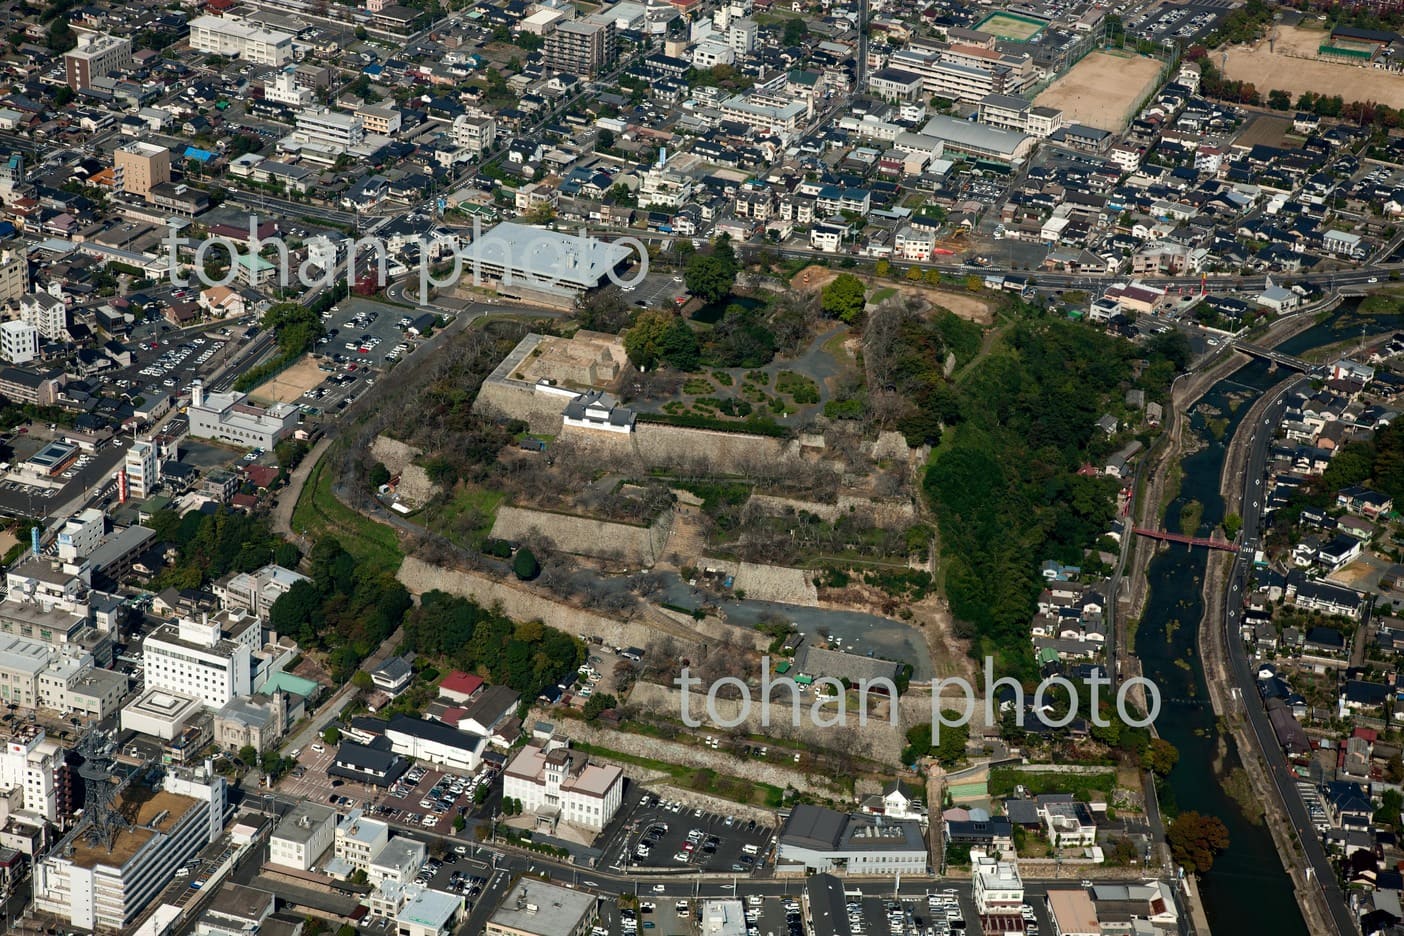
[(586, 536)]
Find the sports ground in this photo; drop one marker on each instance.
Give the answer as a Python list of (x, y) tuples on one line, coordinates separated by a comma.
[(1011, 26)]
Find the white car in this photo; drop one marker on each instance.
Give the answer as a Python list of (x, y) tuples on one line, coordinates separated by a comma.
[(319, 749)]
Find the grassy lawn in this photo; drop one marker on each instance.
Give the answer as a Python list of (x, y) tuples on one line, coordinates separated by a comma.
[(444, 518), (887, 292), (700, 780), (318, 513), (1083, 786)]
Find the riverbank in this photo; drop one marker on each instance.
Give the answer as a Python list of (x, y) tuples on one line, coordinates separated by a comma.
[(1213, 654)]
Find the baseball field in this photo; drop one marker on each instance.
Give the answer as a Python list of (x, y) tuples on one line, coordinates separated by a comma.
[(1103, 89)]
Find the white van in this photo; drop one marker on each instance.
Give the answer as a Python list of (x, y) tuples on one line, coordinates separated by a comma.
[(752, 849)]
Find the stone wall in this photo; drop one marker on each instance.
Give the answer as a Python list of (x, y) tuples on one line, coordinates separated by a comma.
[(504, 400), (415, 488), (878, 739), (655, 445), (884, 513), (520, 604), (586, 536), (674, 752), (767, 582)]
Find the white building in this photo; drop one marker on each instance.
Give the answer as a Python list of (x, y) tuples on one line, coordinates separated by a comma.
[(474, 132), (359, 839), (108, 885), (435, 742), (560, 784), (142, 465), (257, 591), (46, 313), (80, 534), (336, 131), (211, 659), (284, 89), (231, 418), (397, 861), (232, 36), (160, 713), (14, 270), (29, 763), (19, 342), (998, 888), (302, 836), (429, 912)]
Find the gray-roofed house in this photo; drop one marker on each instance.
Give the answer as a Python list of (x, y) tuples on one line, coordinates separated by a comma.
[(819, 839)]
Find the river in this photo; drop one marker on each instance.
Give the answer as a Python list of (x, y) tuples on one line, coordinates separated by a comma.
[(1247, 890)]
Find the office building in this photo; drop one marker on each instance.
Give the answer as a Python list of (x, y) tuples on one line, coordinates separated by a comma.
[(536, 908), (161, 714), (142, 465), (382, 121), (232, 36), (429, 913), (302, 836), (583, 48), (817, 839), (80, 534), (558, 784), (138, 167), (359, 839), (19, 342), (257, 722), (230, 418), (106, 885), (397, 861), (211, 659), (96, 56), (284, 88), (47, 314)]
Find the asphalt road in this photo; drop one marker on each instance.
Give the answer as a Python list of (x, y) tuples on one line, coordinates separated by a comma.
[(1282, 776)]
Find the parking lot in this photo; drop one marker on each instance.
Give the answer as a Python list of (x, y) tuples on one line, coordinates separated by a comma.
[(665, 835), (361, 323), (1186, 23), (432, 798)]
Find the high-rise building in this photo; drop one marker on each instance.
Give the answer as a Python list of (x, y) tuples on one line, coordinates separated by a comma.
[(94, 57), (105, 885), (138, 167), (582, 48), (211, 659)]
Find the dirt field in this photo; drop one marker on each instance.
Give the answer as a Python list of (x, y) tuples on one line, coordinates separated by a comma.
[(1103, 89), (1292, 66), (967, 305), (291, 384)]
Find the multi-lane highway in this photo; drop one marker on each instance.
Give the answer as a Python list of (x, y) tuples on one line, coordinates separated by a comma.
[(1260, 436)]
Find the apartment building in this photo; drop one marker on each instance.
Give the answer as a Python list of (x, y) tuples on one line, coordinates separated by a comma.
[(31, 763), (19, 342), (14, 276), (138, 167), (303, 836), (582, 48), (96, 56), (474, 132), (382, 121), (998, 888), (782, 120), (47, 314), (142, 466), (232, 36)]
